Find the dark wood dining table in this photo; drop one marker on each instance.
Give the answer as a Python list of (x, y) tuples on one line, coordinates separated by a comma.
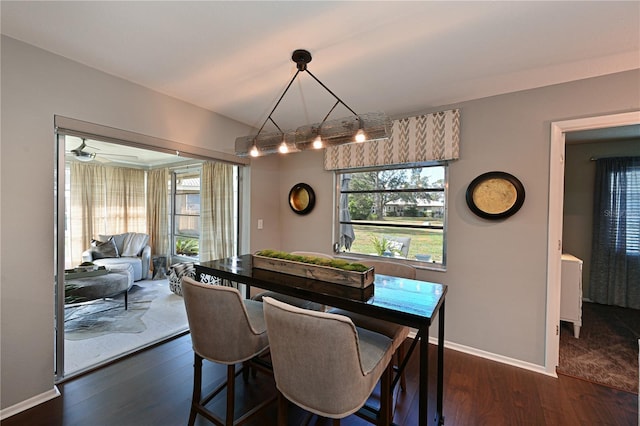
[(413, 303)]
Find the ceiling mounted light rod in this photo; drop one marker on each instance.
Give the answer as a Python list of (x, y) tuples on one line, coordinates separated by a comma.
[(278, 103), (333, 94), (358, 128)]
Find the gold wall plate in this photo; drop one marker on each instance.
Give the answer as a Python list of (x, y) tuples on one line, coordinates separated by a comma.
[(302, 199), (495, 195)]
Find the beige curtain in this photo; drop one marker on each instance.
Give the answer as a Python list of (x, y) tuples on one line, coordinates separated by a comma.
[(86, 208), (157, 205), (428, 137), (125, 195), (104, 200), (216, 211)]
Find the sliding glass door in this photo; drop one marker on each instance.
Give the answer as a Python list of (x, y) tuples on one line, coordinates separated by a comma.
[(92, 330)]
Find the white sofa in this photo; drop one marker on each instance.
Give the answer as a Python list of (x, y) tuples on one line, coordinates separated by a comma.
[(129, 248)]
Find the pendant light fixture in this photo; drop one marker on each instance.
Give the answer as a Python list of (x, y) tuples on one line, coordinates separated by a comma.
[(357, 128)]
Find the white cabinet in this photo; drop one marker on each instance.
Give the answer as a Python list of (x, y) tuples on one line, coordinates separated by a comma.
[(571, 293)]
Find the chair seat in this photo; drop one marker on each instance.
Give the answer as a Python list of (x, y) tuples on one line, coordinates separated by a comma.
[(256, 316), (374, 349), (396, 332)]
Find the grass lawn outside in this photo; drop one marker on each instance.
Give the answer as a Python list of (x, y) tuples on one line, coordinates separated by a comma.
[(423, 241)]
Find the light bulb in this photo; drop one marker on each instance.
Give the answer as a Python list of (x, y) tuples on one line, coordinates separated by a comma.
[(360, 136), (283, 148), (254, 151), (317, 142)]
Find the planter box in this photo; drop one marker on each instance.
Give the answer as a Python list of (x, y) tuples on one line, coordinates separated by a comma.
[(315, 272)]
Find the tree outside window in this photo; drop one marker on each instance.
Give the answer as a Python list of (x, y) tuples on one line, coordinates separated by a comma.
[(396, 213)]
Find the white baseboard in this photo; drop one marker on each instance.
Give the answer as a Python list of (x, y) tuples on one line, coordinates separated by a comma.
[(29, 403), (489, 355)]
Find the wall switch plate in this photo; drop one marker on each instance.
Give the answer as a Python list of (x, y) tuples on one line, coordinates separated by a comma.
[(260, 223)]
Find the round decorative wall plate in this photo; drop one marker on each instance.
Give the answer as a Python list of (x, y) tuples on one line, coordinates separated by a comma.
[(302, 199), (495, 195)]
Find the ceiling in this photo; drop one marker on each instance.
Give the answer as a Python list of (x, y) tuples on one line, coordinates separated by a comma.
[(123, 155), (234, 58), (620, 133)]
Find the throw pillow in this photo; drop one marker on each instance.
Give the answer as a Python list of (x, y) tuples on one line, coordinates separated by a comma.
[(103, 249), (395, 246)]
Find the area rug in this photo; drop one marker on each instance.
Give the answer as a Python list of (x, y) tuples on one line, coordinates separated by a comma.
[(607, 350), (104, 316)]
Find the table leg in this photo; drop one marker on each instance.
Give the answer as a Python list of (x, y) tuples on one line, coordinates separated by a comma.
[(423, 397), (439, 412)]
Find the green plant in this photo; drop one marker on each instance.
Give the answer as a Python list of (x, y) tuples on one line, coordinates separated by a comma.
[(187, 247), (332, 263), (382, 245)]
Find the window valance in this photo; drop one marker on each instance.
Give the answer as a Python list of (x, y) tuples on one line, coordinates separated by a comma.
[(428, 137)]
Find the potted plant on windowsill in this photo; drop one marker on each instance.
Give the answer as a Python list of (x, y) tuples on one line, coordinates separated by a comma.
[(384, 247)]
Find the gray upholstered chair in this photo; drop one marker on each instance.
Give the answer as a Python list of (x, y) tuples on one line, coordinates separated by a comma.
[(326, 365), (224, 329), (398, 333)]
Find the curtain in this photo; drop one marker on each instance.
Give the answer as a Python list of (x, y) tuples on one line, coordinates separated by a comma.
[(125, 197), (429, 137), (216, 211), (157, 213), (615, 254), (86, 208), (104, 200)]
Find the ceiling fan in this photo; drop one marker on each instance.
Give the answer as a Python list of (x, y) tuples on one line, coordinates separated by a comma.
[(80, 154)]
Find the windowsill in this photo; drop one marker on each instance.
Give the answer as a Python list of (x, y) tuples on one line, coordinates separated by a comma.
[(180, 258), (427, 266)]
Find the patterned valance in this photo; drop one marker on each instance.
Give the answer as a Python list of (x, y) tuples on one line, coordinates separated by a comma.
[(417, 139)]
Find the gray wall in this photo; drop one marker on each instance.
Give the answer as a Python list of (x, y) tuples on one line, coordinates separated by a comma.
[(496, 270), (37, 85), (579, 178)]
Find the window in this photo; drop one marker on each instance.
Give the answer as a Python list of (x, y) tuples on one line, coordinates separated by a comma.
[(186, 214), (620, 204), (397, 213), (633, 210)]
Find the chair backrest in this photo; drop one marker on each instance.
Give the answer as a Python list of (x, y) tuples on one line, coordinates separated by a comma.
[(312, 254), (391, 268), (402, 242), (317, 360), (224, 328)]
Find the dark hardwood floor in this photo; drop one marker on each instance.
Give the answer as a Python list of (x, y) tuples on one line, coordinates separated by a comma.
[(153, 387)]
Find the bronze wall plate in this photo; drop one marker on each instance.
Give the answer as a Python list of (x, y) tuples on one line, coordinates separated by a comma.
[(302, 199), (495, 195)]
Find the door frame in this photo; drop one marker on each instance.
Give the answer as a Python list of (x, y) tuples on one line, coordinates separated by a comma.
[(556, 204)]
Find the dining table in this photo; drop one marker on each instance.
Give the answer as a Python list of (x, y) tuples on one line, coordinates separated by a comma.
[(409, 302)]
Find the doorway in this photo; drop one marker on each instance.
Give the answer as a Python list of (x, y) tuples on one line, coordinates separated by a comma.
[(93, 330), (556, 201)]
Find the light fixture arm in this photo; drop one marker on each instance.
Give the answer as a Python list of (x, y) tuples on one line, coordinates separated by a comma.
[(333, 94), (334, 132), (276, 106), (302, 57)]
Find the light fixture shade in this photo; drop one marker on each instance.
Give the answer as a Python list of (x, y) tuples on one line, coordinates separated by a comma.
[(376, 126), (84, 156), (265, 143), (343, 130)]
